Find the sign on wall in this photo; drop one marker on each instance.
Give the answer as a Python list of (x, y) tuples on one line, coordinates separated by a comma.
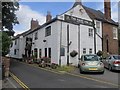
[(77, 21)]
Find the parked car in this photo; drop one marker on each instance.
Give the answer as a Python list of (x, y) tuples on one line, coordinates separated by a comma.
[(112, 62), (90, 63)]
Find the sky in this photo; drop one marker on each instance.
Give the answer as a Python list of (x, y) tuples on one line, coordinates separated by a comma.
[(38, 10)]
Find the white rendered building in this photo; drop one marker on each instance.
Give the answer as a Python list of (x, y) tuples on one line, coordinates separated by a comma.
[(58, 37)]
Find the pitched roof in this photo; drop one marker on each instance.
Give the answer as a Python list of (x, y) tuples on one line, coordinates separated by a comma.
[(95, 14)]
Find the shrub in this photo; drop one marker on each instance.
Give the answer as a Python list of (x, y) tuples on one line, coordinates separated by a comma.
[(99, 53)]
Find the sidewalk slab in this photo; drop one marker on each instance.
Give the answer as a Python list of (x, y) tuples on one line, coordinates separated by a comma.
[(10, 83)]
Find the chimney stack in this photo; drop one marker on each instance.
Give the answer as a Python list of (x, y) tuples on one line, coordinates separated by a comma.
[(34, 24), (107, 9), (48, 17)]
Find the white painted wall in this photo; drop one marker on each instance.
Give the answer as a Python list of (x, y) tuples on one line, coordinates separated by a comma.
[(53, 41)]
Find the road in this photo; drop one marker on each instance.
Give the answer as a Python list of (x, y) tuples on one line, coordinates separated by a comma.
[(108, 76), (37, 78)]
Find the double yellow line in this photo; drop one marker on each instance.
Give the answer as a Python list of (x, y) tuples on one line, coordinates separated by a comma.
[(19, 82)]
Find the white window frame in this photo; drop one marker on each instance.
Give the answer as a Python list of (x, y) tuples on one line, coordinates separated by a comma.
[(115, 32), (36, 35), (84, 50), (90, 51), (98, 26), (90, 32), (48, 31)]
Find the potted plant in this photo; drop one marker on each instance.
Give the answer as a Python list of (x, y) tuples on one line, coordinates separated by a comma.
[(73, 53)]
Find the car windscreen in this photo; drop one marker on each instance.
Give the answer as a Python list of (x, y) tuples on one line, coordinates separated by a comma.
[(91, 58), (117, 57)]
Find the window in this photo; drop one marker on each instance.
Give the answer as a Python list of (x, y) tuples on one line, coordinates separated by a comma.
[(15, 42), (14, 51), (45, 52), (90, 32), (40, 53), (84, 50), (36, 35), (62, 52), (48, 31), (90, 51), (115, 34), (49, 52), (97, 26)]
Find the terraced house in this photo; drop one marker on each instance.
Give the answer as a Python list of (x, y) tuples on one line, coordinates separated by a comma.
[(79, 30)]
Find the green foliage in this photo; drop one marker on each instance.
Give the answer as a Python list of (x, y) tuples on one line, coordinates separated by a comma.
[(6, 41), (8, 14), (99, 53), (66, 68)]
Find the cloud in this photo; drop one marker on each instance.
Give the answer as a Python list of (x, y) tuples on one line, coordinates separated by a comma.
[(25, 14)]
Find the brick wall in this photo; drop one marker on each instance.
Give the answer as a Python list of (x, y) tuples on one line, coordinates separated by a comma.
[(108, 34)]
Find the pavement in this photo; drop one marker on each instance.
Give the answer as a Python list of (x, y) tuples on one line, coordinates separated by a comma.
[(36, 77), (10, 83)]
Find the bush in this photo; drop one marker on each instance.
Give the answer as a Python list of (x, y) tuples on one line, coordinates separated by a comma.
[(99, 53), (73, 53)]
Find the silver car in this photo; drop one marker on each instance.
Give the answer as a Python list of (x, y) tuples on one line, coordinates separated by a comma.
[(90, 63), (112, 62)]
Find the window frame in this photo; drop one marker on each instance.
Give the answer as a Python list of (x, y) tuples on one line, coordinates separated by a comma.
[(98, 26), (36, 35), (90, 51), (48, 31), (90, 32), (115, 32), (84, 50)]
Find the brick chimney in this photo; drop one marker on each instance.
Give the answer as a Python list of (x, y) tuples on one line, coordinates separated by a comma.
[(48, 17), (34, 24), (107, 9)]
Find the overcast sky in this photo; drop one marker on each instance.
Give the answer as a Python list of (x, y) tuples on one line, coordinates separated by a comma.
[(37, 10)]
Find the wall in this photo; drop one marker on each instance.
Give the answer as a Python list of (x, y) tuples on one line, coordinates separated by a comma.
[(113, 43)]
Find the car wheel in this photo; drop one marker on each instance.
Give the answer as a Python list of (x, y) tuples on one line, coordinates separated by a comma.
[(110, 68)]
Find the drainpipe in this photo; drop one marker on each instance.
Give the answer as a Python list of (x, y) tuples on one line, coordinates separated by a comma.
[(94, 37), (60, 44), (67, 45), (79, 41)]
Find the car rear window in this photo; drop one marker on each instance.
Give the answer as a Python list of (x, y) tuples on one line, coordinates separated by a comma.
[(116, 57), (91, 58)]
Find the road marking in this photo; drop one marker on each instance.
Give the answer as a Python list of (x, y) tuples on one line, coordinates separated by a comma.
[(11, 82), (25, 87), (82, 76)]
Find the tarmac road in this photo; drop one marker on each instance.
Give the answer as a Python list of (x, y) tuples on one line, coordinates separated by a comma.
[(38, 78)]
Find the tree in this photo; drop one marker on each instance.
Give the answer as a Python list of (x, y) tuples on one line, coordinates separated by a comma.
[(8, 20), (6, 41), (8, 15)]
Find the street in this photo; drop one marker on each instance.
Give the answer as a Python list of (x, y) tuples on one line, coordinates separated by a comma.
[(37, 78)]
